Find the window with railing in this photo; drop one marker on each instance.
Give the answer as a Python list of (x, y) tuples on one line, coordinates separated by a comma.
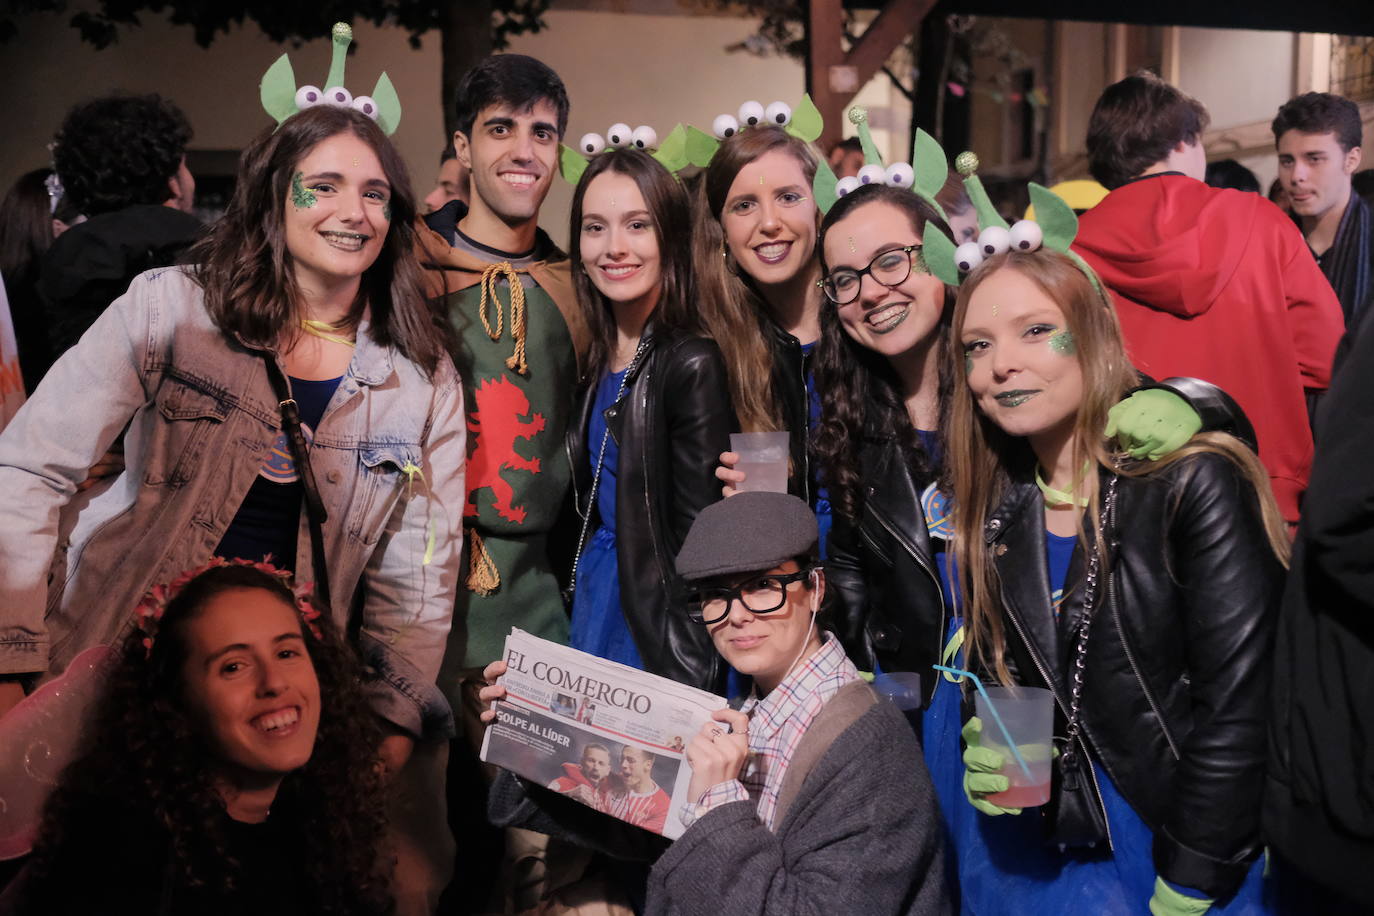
[(1352, 66)]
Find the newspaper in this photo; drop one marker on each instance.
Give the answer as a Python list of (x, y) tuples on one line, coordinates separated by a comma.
[(605, 734)]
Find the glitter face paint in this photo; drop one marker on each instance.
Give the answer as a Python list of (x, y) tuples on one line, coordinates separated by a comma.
[(1062, 342), (301, 196)]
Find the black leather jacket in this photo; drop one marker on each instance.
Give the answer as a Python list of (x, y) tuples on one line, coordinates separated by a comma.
[(671, 425), (789, 383), (1177, 677), (887, 605)]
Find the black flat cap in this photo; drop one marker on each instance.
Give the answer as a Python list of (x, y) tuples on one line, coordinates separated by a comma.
[(747, 532)]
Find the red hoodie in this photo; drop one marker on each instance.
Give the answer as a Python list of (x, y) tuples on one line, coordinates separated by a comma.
[(1219, 285)]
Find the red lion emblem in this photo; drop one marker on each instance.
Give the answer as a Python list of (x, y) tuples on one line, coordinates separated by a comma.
[(495, 424)]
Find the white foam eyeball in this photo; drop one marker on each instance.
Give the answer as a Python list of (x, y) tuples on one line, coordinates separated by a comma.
[(845, 185), (338, 95), (751, 114), (618, 136), (967, 256), (308, 97), (994, 240), (724, 126), (779, 113), (900, 175), (644, 137), (872, 174), (1026, 235), (365, 104), (591, 144)]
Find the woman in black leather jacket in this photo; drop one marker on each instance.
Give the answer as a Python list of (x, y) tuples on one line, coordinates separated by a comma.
[(754, 237), (1143, 594), (654, 414), (878, 371)]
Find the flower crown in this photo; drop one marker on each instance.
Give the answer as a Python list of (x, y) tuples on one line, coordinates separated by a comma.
[(281, 98), (148, 613), (671, 154)]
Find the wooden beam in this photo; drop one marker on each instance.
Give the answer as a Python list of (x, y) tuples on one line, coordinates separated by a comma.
[(833, 87), (825, 32)]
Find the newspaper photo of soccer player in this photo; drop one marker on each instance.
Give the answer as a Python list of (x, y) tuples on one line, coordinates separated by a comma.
[(603, 734)]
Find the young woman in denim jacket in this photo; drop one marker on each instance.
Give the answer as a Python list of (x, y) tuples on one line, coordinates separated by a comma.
[(311, 268)]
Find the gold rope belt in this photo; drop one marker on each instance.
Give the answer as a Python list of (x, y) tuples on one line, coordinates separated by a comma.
[(490, 276)]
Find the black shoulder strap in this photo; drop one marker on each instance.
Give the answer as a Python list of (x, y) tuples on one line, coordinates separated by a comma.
[(300, 454)]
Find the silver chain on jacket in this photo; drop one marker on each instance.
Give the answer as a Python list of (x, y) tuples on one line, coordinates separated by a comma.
[(1080, 660), (596, 478)]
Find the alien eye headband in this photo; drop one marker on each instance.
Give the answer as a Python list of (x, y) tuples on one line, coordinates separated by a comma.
[(1054, 227), (282, 98), (924, 175), (803, 122), (671, 153)]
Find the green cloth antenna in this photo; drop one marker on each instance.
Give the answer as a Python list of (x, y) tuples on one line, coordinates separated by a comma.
[(928, 167), (282, 98), (805, 123), (671, 154)]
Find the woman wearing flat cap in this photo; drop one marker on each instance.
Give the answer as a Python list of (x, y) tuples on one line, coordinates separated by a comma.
[(812, 797)]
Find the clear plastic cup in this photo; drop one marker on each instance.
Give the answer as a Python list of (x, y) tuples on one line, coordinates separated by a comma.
[(1028, 714), (903, 688), (763, 459)]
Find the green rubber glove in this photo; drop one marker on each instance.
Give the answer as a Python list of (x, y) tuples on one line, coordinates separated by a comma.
[(982, 771), (1152, 423), (1168, 902)]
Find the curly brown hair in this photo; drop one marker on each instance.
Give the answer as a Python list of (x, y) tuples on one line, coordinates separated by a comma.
[(861, 396), (148, 756)]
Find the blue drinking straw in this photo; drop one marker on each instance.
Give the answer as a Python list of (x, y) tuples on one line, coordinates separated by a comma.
[(996, 716)]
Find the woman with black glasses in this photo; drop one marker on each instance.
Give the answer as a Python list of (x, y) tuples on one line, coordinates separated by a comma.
[(809, 798)]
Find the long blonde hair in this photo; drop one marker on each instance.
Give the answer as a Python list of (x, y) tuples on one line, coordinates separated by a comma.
[(733, 312), (982, 460)]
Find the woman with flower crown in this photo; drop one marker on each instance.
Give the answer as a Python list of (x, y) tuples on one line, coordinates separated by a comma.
[(232, 767), (288, 395)]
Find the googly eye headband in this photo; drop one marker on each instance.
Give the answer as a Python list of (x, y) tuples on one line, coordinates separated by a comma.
[(282, 98), (803, 122), (924, 175), (671, 153), (1055, 226)]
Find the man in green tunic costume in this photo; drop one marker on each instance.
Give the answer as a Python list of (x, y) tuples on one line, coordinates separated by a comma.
[(521, 339)]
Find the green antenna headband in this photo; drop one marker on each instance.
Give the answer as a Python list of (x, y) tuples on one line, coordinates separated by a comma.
[(281, 97), (925, 175), (1055, 226), (671, 153), (803, 122)]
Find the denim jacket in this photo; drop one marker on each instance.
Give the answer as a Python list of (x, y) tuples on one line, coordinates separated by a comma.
[(200, 417)]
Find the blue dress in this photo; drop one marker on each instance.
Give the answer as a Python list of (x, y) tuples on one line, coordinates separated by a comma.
[(813, 412), (598, 623), (1003, 865)]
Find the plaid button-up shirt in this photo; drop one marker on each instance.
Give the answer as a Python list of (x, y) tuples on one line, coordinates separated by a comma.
[(776, 726)]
